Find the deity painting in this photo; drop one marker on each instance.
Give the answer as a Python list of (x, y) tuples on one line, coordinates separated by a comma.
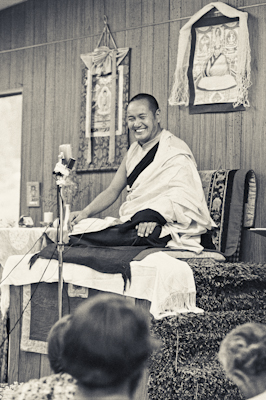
[(215, 64), (101, 105), (104, 101)]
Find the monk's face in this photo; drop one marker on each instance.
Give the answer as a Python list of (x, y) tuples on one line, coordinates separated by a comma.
[(142, 122)]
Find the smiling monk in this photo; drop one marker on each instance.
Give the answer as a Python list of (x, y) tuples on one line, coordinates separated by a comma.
[(165, 203)]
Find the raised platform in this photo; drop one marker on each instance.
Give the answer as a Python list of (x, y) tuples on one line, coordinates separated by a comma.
[(187, 367)]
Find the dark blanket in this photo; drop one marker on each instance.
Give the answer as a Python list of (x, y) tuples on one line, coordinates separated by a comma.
[(109, 260), (110, 250), (126, 234)]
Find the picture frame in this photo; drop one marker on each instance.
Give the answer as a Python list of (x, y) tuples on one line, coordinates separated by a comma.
[(33, 194)]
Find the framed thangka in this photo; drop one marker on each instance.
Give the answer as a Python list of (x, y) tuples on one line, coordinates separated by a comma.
[(213, 61), (213, 65), (103, 140)]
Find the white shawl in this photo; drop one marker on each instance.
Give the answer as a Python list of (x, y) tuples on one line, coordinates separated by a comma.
[(171, 186)]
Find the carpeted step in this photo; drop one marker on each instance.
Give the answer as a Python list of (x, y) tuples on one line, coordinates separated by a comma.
[(187, 364), (200, 333), (229, 286), (195, 381)]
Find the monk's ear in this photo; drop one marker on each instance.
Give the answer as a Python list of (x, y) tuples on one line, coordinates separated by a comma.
[(158, 115)]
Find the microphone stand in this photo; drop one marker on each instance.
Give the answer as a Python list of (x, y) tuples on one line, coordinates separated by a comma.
[(60, 249), (61, 172)]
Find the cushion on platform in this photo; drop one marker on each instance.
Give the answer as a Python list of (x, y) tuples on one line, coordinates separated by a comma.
[(231, 200), (182, 254), (190, 254)]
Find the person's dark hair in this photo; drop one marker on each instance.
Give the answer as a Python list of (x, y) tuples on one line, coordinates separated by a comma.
[(107, 343), (55, 343), (153, 104), (244, 348)]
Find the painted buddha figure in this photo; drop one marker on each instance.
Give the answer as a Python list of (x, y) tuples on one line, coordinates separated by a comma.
[(216, 74)]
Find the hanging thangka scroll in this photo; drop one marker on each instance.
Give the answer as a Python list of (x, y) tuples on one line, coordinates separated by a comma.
[(105, 87), (213, 65)]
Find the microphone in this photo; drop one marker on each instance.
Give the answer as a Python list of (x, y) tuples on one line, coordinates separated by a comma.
[(65, 161)]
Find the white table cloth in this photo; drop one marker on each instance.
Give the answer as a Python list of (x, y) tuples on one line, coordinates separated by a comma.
[(166, 282)]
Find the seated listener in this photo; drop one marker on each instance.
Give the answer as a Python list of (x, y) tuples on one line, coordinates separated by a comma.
[(99, 351), (106, 347), (57, 386), (55, 343), (243, 356), (165, 200)]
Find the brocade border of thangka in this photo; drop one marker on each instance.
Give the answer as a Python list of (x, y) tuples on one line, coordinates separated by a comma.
[(43, 302), (27, 344), (216, 205), (100, 144), (217, 186)]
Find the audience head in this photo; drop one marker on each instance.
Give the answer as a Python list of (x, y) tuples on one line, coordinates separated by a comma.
[(107, 344), (243, 356), (55, 343)]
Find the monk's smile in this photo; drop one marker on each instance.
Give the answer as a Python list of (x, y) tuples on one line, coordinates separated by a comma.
[(142, 122)]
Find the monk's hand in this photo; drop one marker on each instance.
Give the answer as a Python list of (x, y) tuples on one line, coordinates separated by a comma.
[(74, 218), (145, 228)]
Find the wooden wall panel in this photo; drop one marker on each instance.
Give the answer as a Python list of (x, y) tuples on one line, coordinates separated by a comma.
[(67, 116), (97, 8), (73, 92), (133, 40), (50, 75), (174, 113), (29, 25), (51, 21), (5, 31), (60, 93), (160, 57), (18, 30), (233, 140), (27, 101), (15, 334), (29, 365), (116, 16), (147, 45), (40, 22), (16, 69), (49, 150), (37, 125), (83, 23), (45, 368), (86, 182), (5, 63), (60, 13)]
